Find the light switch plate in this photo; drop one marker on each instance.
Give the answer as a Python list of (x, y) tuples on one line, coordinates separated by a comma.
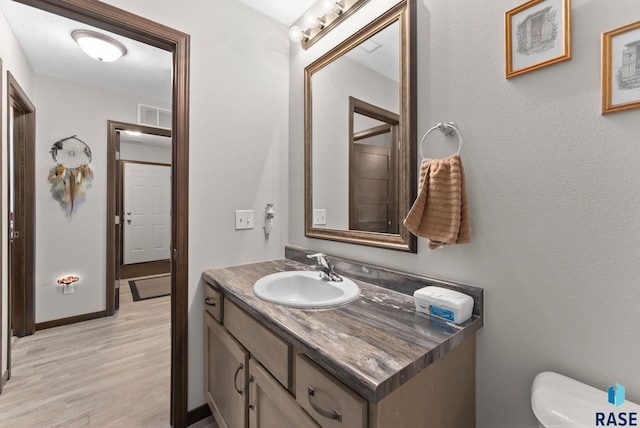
[(244, 219), (319, 217)]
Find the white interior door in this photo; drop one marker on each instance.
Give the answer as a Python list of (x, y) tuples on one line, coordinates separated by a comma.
[(147, 216)]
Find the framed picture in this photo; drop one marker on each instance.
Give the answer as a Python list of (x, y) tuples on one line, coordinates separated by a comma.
[(537, 34), (621, 68)]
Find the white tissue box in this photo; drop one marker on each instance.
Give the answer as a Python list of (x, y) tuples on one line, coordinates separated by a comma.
[(439, 302)]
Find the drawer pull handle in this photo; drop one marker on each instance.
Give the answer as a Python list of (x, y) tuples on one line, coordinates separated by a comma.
[(209, 302), (235, 379), (251, 405), (334, 414)]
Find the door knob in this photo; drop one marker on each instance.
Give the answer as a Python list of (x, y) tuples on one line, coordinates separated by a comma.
[(128, 221)]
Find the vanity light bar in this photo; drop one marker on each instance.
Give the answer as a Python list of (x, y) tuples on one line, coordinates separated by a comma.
[(319, 25)]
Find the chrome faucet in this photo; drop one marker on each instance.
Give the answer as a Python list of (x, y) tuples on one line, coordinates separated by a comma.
[(324, 267)]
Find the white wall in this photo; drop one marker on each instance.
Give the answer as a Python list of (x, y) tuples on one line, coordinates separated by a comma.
[(238, 140), (331, 88), (145, 153), (13, 60), (553, 190), (74, 244)]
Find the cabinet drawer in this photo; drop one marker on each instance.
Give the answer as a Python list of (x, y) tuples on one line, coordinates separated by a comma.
[(213, 302), (272, 352), (326, 399)]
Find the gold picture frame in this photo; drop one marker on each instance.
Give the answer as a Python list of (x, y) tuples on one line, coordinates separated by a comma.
[(537, 34), (621, 60)]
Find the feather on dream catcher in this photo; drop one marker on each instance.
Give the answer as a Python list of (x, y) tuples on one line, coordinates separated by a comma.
[(71, 176)]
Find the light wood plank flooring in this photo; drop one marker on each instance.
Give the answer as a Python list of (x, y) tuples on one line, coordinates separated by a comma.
[(109, 372)]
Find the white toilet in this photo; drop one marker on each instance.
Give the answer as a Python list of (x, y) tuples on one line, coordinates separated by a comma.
[(559, 401)]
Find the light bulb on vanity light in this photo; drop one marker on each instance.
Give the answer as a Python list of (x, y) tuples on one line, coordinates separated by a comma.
[(312, 20), (296, 34), (333, 7)]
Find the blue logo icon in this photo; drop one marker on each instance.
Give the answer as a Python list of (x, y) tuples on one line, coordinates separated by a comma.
[(616, 394)]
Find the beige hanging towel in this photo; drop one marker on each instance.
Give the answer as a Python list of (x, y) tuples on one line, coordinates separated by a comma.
[(441, 211)]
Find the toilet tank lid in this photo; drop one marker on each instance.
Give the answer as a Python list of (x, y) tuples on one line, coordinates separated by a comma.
[(559, 401)]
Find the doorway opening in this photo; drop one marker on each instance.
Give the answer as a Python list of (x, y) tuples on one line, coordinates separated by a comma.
[(373, 166), (21, 213), (142, 228), (115, 20)]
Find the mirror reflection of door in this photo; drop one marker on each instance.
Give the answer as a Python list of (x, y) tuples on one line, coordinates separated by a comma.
[(373, 165)]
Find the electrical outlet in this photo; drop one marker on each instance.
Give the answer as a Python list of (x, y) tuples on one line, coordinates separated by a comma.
[(319, 217), (244, 219)]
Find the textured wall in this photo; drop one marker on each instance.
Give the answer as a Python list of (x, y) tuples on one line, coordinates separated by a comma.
[(553, 189), (144, 152), (13, 60), (63, 109), (238, 140), (331, 87)]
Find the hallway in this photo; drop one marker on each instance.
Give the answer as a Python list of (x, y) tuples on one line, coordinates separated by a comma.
[(109, 372)]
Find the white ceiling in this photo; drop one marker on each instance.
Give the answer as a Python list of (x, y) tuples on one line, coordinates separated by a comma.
[(46, 41), (146, 139), (284, 11), (145, 71), (385, 60)]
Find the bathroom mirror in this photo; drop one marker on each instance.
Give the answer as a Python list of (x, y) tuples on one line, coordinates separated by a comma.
[(360, 135)]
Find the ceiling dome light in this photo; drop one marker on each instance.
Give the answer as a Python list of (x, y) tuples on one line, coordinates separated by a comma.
[(99, 46)]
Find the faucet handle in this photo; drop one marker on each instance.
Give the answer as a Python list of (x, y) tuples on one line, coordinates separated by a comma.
[(321, 259)]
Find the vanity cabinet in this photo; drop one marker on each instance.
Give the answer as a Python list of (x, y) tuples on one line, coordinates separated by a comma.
[(256, 379), (243, 355), (226, 375)]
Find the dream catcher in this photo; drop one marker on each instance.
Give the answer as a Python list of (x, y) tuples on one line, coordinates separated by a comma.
[(72, 174)]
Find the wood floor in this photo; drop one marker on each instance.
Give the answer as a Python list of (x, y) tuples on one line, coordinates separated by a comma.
[(109, 372)]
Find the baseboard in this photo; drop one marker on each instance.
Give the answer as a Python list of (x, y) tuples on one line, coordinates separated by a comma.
[(198, 414), (4, 380), (71, 320), (145, 269)]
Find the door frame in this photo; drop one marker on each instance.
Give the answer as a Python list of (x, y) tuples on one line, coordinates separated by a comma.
[(3, 379), (119, 21), (392, 121), (21, 253), (114, 232)]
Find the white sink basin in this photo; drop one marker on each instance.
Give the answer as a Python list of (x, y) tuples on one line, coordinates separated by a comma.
[(305, 289)]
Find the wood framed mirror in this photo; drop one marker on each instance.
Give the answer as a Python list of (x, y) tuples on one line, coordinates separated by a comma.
[(360, 135)]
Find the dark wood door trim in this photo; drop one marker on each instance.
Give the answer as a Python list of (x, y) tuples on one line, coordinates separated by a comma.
[(121, 22), (391, 124), (22, 249), (3, 374)]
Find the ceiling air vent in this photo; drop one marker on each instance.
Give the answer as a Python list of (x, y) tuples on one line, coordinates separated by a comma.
[(154, 116)]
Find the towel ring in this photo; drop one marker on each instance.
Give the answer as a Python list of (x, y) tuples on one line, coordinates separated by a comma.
[(447, 129)]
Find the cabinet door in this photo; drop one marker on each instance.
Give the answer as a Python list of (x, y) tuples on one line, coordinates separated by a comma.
[(270, 405), (226, 374)]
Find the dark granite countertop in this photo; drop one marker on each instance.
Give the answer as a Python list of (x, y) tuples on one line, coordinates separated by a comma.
[(372, 345)]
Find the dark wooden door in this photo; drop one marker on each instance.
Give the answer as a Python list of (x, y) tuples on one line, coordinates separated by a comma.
[(21, 203), (373, 193)]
